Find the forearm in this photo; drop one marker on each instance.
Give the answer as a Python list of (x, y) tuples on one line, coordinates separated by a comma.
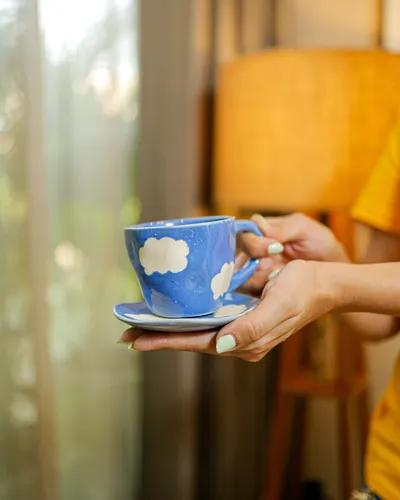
[(369, 326), (373, 288), (366, 287)]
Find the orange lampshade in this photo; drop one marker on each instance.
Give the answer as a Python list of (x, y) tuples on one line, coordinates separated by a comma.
[(301, 129)]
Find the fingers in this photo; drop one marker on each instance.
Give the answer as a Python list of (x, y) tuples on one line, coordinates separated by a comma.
[(258, 247), (252, 326), (271, 280), (237, 338), (268, 264), (274, 337), (276, 342), (130, 335), (240, 260), (257, 282), (274, 273), (236, 344), (263, 223), (254, 245), (258, 352), (203, 342), (285, 229), (277, 230)]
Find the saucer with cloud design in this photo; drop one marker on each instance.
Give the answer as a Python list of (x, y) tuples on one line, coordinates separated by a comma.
[(138, 314)]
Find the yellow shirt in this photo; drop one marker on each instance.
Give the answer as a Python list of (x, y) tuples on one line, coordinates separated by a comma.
[(379, 206)]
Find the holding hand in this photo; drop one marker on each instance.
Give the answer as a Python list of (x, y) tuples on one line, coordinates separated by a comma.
[(287, 238), (301, 236), (298, 295), (295, 294)]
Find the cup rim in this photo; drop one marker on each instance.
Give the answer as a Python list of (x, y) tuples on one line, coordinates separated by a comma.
[(160, 225)]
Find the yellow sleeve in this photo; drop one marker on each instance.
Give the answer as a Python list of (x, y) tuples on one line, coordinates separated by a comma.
[(379, 202)]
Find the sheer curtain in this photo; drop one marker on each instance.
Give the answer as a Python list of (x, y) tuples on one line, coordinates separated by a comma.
[(69, 396)]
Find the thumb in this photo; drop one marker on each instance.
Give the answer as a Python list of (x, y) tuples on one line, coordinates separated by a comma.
[(285, 229), (250, 327)]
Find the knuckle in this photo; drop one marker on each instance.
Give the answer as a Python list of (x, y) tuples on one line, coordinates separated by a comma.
[(292, 309), (253, 330), (300, 218), (297, 215)]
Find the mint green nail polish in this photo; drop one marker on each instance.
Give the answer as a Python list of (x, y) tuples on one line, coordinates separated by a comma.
[(275, 248), (225, 344), (273, 274)]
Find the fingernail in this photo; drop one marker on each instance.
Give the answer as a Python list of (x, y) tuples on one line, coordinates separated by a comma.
[(257, 218), (120, 341), (273, 274), (275, 248), (225, 344), (131, 347)]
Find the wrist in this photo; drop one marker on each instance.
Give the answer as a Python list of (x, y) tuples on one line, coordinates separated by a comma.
[(330, 284), (338, 254), (337, 279)]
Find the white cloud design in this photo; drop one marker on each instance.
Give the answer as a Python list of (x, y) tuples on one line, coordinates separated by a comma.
[(221, 281), (230, 310), (144, 317), (163, 255)]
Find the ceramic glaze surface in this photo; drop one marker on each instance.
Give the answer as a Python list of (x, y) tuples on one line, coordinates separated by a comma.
[(186, 266)]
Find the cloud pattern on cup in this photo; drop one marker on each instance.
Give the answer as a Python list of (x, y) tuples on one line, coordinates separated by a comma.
[(170, 255), (144, 317), (221, 281), (230, 310), (164, 255)]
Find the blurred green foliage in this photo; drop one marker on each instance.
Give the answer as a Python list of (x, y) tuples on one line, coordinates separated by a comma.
[(90, 109)]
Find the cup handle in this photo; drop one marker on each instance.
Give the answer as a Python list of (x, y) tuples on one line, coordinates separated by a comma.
[(243, 274)]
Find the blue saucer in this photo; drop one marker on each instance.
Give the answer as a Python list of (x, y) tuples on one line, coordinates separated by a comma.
[(138, 314)]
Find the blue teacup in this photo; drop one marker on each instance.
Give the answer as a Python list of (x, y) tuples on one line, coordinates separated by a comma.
[(186, 266)]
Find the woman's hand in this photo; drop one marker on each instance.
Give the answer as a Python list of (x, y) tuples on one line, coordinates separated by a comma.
[(267, 266), (301, 237), (299, 294)]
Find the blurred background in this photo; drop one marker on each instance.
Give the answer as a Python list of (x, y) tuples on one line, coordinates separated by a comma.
[(115, 111)]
